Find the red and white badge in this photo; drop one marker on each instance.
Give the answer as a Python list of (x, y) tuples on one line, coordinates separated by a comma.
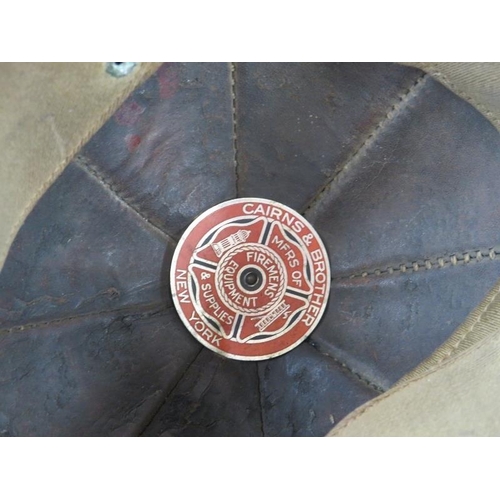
[(250, 279)]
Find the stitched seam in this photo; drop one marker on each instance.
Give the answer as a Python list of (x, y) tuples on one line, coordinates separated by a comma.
[(413, 381), (393, 112), (261, 406), (464, 336), (166, 395), (369, 405), (28, 326), (435, 72), (232, 73), (87, 165), (445, 261), (90, 132), (346, 367)]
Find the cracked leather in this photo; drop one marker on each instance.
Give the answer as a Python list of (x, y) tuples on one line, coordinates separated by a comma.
[(397, 174)]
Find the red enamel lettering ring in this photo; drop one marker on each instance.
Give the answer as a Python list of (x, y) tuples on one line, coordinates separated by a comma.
[(250, 279)]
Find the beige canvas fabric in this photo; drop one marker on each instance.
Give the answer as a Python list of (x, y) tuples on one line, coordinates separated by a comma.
[(475, 328), (478, 83), (457, 397), (47, 112)]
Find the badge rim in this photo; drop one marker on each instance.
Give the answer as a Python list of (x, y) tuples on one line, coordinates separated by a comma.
[(173, 267)]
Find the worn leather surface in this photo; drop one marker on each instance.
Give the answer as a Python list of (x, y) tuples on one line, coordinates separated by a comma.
[(298, 123), (475, 82), (169, 150), (420, 200), (396, 173), (100, 375), (454, 393), (215, 397), (48, 111), (83, 250), (305, 393)]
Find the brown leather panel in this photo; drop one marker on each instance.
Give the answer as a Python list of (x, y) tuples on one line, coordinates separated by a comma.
[(304, 393), (169, 149), (413, 188), (91, 246), (423, 196), (298, 123), (82, 250), (96, 376), (384, 326), (427, 187), (216, 397), (456, 395)]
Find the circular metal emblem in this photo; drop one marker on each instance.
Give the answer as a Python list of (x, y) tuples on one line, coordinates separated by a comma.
[(250, 279)]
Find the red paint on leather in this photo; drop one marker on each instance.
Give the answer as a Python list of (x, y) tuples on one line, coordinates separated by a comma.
[(129, 113), (168, 81), (133, 142)]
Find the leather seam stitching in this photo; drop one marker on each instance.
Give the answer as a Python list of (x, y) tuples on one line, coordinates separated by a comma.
[(232, 75), (90, 167), (411, 382), (445, 261), (372, 136), (60, 167), (167, 394), (346, 367), (261, 406), (39, 324)]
